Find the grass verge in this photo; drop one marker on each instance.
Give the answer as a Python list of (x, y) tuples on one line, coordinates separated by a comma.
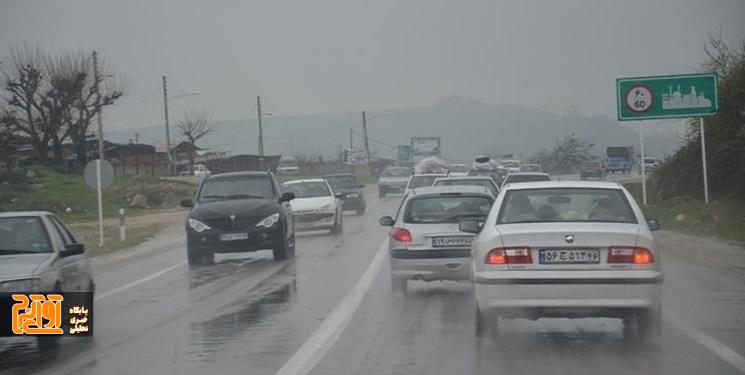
[(723, 218)]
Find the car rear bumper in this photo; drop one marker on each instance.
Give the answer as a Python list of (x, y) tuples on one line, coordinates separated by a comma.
[(606, 291), (314, 222), (353, 203), (392, 188), (430, 265)]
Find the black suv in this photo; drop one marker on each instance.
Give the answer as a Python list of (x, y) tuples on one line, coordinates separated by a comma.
[(237, 212), (352, 195)]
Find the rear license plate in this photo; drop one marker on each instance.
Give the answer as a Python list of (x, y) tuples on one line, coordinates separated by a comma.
[(451, 242), (574, 256), (233, 236)]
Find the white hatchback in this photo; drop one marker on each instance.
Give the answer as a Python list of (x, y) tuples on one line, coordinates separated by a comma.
[(566, 249)]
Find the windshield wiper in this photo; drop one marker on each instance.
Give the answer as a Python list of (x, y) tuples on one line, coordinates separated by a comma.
[(15, 251), (244, 196)]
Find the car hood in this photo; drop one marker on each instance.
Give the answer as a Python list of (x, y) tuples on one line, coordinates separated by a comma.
[(238, 207), (21, 265), (307, 204)]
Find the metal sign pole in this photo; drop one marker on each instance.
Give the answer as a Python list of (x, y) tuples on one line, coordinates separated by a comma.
[(99, 188), (644, 169), (703, 158)]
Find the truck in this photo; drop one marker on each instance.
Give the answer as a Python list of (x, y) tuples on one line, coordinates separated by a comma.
[(620, 159)]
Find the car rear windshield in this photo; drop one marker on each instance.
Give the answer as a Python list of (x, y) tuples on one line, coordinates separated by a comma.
[(565, 205), (23, 235), (458, 168), (527, 178), (237, 187), (422, 181), (475, 182), (445, 208), (308, 189), (398, 172), (530, 168), (343, 182)]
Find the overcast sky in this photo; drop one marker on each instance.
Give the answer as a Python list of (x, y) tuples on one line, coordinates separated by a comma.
[(318, 56)]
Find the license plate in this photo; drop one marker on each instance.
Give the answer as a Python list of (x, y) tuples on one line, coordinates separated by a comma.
[(574, 256), (233, 236), (451, 242)]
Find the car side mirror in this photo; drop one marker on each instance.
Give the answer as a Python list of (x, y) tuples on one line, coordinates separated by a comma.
[(654, 224), (339, 195), (387, 221), (72, 249), (470, 226), (286, 197), (187, 203)]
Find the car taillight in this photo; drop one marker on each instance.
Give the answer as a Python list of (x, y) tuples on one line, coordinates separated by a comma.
[(632, 255), (509, 255), (401, 235)]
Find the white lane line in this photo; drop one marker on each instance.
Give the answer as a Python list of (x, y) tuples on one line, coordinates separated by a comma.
[(721, 350), (140, 281), (324, 337)]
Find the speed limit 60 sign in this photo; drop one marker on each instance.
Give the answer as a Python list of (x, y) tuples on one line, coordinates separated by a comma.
[(659, 97)]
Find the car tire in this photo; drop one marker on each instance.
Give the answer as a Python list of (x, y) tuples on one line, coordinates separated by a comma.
[(196, 257), (649, 324), (281, 249), (337, 228), (398, 285), (381, 193), (291, 245), (487, 326)]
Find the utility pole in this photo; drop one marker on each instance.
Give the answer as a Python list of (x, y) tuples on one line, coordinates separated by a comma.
[(168, 130), (99, 189), (351, 138), (261, 135), (137, 138), (364, 134)]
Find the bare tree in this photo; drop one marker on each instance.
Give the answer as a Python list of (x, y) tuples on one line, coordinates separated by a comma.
[(8, 139), (193, 127)]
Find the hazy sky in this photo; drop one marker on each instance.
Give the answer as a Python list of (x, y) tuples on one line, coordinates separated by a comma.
[(316, 56)]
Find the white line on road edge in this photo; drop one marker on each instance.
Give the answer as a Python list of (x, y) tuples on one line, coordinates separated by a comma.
[(724, 352), (324, 337), (140, 281)]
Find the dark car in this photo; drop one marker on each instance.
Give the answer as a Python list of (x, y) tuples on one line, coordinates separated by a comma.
[(353, 195), (592, 169), (239, 212)]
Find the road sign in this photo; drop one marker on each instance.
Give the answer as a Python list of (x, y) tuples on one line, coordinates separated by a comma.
[(672, 96), (354, 157), (421, 147), (107, 174)]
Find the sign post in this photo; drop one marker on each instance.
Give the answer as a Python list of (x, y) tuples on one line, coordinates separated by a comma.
[(665, 97)]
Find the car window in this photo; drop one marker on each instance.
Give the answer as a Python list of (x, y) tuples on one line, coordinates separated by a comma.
[(482, 183), (422, 181), (24, 234), (308, 189), (511, 179), (565, 205), (396, 172), (67, 237), (445, 209), (343, 182), (236, 187)]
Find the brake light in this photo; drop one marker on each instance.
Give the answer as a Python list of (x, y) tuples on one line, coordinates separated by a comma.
[(509, 255), (401, 235), (632, 255)]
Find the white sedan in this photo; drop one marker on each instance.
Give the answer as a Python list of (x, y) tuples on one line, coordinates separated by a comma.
[(315, 206), (566, 249)]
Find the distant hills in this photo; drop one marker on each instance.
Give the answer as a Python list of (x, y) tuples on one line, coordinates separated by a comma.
[(467, 128)]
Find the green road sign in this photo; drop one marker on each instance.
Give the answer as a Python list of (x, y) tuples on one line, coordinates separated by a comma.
[(660, 97)]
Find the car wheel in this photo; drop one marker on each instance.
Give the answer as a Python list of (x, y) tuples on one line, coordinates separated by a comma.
[(196, 257), (281, 250), (398, 285), (649, 324), (487, 326), (291, 245)]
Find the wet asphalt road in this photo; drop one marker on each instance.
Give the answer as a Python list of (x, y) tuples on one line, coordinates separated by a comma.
[(249, 315)]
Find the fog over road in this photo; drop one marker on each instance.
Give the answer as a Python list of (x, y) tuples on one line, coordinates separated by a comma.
[(250, 315)]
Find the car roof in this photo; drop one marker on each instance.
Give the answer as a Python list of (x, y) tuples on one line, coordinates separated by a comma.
[(238, 174), (528, 174), (305, 180), (437, 190), (530, 164), (562, 184), (25, 213), (485, 178), (339, 175), (430, 175)]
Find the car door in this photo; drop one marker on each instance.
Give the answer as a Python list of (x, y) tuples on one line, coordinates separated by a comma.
[(74, 269)]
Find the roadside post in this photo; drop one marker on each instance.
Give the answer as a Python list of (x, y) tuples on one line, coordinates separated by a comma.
[(98, 175), (122, 226), (667, 97)]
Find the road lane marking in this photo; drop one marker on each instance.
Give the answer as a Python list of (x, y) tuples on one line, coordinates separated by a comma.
[(140, 281), (324, 337), (721, 350)]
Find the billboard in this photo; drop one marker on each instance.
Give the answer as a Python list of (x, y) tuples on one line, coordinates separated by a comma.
[(404, 153), (421, 147), (354, 157)]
